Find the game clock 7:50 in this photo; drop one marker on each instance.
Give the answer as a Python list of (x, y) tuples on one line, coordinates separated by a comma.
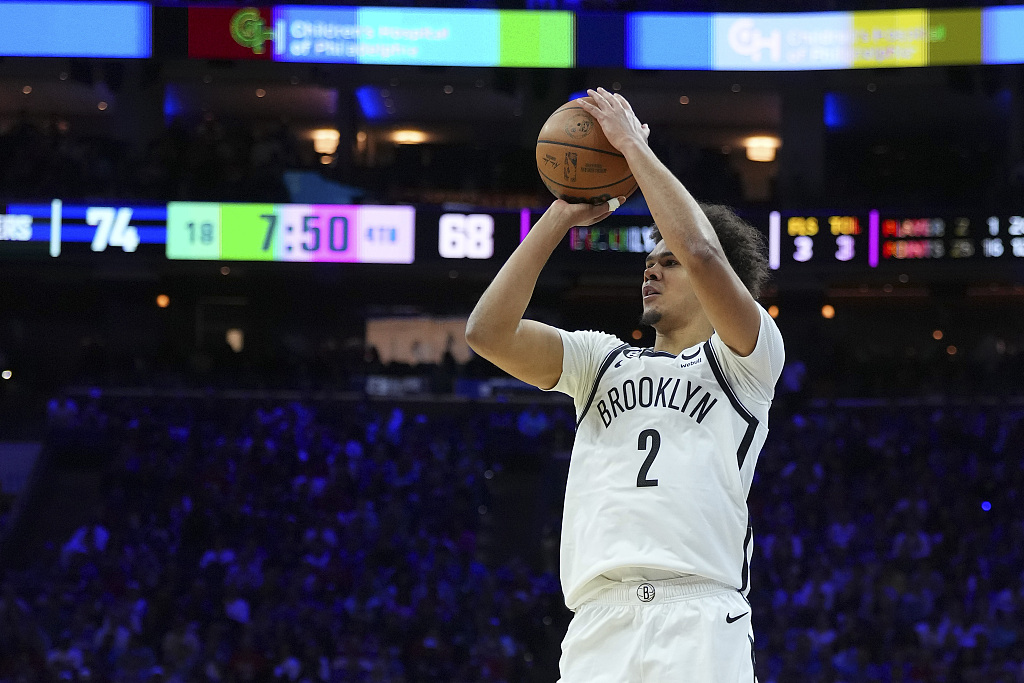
[(336, 229)]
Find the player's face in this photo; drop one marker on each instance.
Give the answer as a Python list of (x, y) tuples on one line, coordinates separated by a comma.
[(668, 297)]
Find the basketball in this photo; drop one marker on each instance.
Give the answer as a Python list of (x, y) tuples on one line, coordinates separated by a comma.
[(576, 161)]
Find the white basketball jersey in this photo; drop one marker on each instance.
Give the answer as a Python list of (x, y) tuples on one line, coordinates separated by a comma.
[(664, 456)]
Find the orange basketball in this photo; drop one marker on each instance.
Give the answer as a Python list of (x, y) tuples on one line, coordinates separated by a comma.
[(576, 161)]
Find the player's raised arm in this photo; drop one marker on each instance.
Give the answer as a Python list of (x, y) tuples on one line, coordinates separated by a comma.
[(687, 232), (526, 349)]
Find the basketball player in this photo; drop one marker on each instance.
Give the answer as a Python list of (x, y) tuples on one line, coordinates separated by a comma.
[(655, 535)]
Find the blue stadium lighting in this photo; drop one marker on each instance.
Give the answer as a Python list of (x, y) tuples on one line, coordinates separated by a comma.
[(1004, 99), (371, 102), (986, 506), (577, 95), (835, 113), (172, 105)]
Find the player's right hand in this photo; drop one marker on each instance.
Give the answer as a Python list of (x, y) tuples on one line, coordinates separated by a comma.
[(615, 115)]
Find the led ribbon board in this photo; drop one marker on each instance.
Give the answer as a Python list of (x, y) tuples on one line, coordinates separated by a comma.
[(291, 232), (76, 29), (779, 41), (823, 40), (385, 35), (420, 35)]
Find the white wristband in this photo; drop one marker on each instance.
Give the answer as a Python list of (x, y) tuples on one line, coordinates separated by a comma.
[(613, 203)]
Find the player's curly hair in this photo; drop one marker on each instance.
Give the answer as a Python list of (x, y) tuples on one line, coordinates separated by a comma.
[(743, 244)]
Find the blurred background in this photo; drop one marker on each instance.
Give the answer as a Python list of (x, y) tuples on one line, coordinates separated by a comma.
[(242, 437)]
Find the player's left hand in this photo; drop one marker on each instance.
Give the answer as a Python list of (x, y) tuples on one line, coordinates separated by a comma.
[(615, 114), (582, 215)]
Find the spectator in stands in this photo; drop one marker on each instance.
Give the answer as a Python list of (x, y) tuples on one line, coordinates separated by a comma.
[(89, 540)]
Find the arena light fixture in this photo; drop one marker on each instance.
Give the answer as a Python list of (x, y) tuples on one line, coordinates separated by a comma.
[(235, 338), (325, 140), (761, 147), (408, 136)]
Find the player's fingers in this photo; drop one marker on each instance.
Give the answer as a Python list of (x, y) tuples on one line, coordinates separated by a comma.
[(599, 95), (608, 207), (618, 101), (594, 106)]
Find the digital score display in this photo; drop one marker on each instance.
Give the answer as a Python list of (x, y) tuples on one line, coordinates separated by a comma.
[(960, 237), (876, 238), (825, 238), (321, 233), (467, 239), (41, 229)]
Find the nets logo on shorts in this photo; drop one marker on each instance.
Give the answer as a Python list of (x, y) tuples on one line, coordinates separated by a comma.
[(645, 592)]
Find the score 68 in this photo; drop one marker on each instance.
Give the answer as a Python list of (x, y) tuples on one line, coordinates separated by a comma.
[(462, 235)]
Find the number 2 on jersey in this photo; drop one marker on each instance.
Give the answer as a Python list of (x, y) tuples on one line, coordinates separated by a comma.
[(654, 438)]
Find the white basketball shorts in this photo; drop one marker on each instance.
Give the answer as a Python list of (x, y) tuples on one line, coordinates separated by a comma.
[(689, 630)]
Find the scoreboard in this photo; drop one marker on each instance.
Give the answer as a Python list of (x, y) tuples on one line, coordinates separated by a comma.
[(877, 239), (823, 244)]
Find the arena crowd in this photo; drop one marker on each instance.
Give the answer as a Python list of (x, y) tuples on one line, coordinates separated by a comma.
[(364, 541)]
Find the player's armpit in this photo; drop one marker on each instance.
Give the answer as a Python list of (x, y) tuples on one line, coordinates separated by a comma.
[(533, 354)]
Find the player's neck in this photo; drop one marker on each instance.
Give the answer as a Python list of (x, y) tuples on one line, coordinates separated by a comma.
[(674, 340)]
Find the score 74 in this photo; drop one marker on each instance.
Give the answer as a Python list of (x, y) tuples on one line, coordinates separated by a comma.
[(112, 228)]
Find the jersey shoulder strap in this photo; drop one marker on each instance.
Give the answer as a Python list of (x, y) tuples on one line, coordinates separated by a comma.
[(608, 359)]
